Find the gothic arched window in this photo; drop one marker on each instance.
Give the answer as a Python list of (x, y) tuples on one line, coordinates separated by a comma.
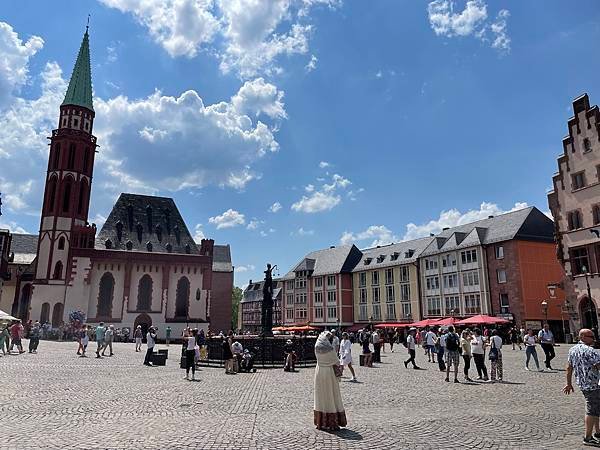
[(82, 196), (51, 194), (45, 315), (56, 160), (105, 295), (182, 297), (57, 315), (71, 162), (144, 297), (66, 203), (61, 243), (58, 268)]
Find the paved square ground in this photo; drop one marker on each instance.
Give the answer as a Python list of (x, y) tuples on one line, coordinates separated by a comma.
[(55, 399)]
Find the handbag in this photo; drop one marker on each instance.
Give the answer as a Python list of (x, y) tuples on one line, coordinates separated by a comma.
[(338, 370), (493, 351)]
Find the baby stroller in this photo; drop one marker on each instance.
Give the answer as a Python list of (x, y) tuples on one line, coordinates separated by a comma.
[(247, 364)]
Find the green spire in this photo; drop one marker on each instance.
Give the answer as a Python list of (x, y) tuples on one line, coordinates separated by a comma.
[(79, 92)]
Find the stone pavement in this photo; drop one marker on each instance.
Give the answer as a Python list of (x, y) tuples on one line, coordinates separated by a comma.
[(57, 400)]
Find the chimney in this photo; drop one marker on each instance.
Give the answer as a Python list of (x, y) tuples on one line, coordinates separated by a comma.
[(333, 246), (445, 228), (431, 235), (490, 217), (250, 282)]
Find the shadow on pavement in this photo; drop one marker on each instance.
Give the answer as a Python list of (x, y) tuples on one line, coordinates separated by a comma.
[(347, 434)]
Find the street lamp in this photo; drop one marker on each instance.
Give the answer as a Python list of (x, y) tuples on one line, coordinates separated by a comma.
[(545, 309)]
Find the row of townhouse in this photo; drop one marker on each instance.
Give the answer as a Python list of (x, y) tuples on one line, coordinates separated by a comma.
[(500, 265)]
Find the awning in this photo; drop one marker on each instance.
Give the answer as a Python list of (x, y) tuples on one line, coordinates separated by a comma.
[(5, 317), (482, 319)]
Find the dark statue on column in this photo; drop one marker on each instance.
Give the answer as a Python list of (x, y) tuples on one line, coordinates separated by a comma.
[(267, 303)]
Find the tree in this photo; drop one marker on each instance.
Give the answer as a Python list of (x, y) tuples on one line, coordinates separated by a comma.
[(236, 297)]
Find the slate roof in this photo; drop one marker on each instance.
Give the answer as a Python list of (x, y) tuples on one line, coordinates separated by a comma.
[(222, 259), (132, 210), (79, 92), (401, 248), (328, 261), (525, 224), (253, 292), (24, 247)]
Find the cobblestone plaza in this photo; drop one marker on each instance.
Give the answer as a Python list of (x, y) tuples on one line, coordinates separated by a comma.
[(55, 399)]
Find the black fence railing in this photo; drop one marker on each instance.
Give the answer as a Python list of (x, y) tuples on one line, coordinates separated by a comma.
[(267, 352)]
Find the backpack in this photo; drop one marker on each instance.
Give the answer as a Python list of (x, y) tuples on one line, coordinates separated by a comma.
[(452, 342)]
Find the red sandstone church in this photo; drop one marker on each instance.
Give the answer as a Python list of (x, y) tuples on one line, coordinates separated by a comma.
[(143, 267)]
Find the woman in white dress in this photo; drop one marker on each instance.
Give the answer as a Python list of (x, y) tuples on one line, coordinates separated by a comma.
[(346, 355), (329, 411)]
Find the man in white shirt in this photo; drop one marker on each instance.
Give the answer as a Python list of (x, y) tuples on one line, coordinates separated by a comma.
[(430, 345), (411, 347), (151, 340), (376, 346), (546, 339)]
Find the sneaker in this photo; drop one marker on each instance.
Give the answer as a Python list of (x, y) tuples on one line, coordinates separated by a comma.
[(591, 442), (353, 379), (447, 380), (596, 436), (541, 370), (527, 369), (406, 364), (479, 378), (416, 368), (455, 380)]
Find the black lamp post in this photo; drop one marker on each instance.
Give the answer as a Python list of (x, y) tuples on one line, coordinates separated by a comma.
[(545, 309)]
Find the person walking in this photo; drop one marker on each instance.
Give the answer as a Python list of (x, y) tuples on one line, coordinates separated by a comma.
[(394, 339), (100, 332), (168, 335), (496, 357), (478, 351), (430, 339), (109, 337), (465, 345), (376, 340), (514, 338), (84, 341), (328, 411), (366, 351), (150, 343), (452, 353), (4, 338), (411, 346), (190, 355), (138, 335), (228, 355), (584, 362), (346, 355), (530, 350), (440, 350), (546, 339), (16, 334), (34, 337)]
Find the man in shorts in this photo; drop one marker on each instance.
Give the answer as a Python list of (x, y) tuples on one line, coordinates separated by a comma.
[(584, 362), (452, 353)]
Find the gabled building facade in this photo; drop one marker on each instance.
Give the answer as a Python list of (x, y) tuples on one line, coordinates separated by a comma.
[(318, 290), (251, 306), (575, 206), (498, 266), (386, 283)]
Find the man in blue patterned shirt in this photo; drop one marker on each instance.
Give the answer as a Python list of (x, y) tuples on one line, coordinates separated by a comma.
[(584, 361)]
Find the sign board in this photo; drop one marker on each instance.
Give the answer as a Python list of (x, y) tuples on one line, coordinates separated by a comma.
[(533, 324)]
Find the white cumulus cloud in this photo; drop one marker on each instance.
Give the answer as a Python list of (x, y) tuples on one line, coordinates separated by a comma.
[(275, 207), (198, 233), (471, 21), (228, 219), (324, 198), (246, 268), (379, 234), (453, 217)]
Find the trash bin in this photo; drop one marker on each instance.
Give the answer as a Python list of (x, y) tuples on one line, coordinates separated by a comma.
[(159, 359), (164, 351)]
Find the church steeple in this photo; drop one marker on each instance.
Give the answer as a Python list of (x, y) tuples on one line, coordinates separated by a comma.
[(79, 92)]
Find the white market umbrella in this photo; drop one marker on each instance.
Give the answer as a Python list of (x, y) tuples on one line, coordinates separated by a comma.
[(5, 317)]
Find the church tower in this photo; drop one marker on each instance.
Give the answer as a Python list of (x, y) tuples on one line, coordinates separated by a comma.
[(64, 221)]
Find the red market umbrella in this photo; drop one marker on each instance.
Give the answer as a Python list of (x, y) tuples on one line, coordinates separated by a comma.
[(482, 319), (446, 321), (423, 323), (392, 325)]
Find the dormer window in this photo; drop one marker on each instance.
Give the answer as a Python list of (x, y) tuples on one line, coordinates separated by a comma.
[(119, 227), (188, 249), (128, 245), (587, 145), (149, 246), (108, 244), (368, 261), (139, 230), (394, 256), (169, 248), (380, 258)]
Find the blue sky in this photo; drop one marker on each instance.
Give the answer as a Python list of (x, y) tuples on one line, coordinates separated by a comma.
[(366, 122)]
